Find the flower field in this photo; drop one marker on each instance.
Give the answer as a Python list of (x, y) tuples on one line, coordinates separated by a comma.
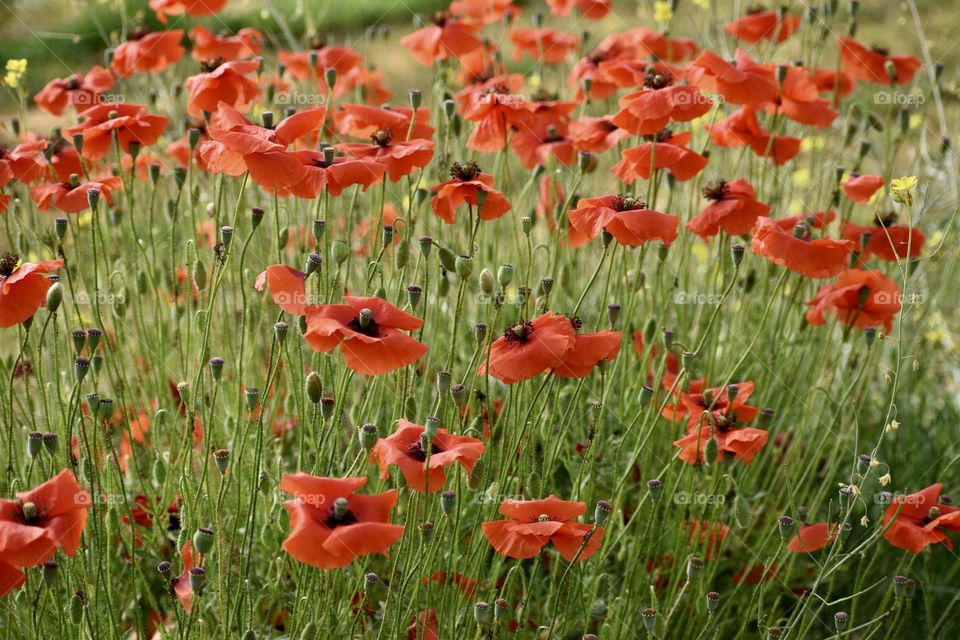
[(563, 319)]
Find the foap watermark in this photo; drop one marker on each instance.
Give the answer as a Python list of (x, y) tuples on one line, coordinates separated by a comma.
[(101, 297), (897, 497), (899, 98), (896, 297), (296, 99), (697, 298), (696, 498)]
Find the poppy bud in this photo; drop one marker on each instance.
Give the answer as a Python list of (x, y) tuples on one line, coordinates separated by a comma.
[(340, 251), (368, 434), (179, 177), (80, 368), (486, 282), (464, 267), (256, 216), (416, 98), (449, 108), (602, 512), (711, 450), (649, 617), (782, 70), (480, 332), (200, 275), (448, 500), (891, 70), (54, 297), (481, 613), (76, 607), (447, 259), (50, 442), (280, 331), (785, 526), (766, 417), (221, 457), (314, 386), (736, 251), (34, 443), (413, 296), (77, 140), (694, 565), (713, 600), (203, 540), (386, 235), (587, 84), (655, 487), (646, 392), (252, 396), (526, 223)]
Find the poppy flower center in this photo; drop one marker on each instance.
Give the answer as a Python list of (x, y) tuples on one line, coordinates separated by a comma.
[(519, 334), (211, 65), (881, 50), (628, 203), (886, 219), (137, 34), (317, 44), (575, 322), (365, 324), (654, 79), (31, 515), (382, 137), (464, 172), (717, 191), (8, 264), (440, 18), (660, 136), (73, 83), (418, 452), (335, 520)]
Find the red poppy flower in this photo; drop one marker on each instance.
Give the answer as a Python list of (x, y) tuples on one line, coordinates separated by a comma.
[(666, 150), (544, 45), (533, 147), (465, 186), (227, 83), (423, 626), (742, 81), (180, 150), (860, 188), (23, 288), (495, 114), (478, 89), (63, 160), (55, 509), (858, 299), (650, 43), (406, 449), (822, 258), (591, 9), (593, 66), (813, 537), (595, 135), (368, 333), (70, 198), (887, 241), (627, 219), (147, 53), (400, 158), (871, 64), (362, 121), (833, 81), (534, 523), (725, 410), (529, 349), (125, 122), (659, 103), (485, 11), (447, 37), (589, 350), (297, 63), (817, 220), (741, 128), (368, 83), (196, 8), (79, 91), (915, 521), (763, 25), (190, 559), (286, 286), (330, 525), (207, 46), (334, 175), (736, 442), (733, 209), (238, 145), (23, 162), (708, 535), (799, 99)]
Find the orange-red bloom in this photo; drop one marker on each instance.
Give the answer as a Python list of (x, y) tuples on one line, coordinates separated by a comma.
[(207, 46), (733, 209), (23, 288), (191, 560), (799, 99), (545, 45), (496, 114), (858, 299), (659, 103), (741, 128), (591, 9), (237, 145), (227, 83), (465, 186), (196, 8), (742, 81), (400, 158), (871, 64), (362, 121), (530, 348), (650, 43), (915, 521), (79, 91), (23, 162), (330, 525), (589, 350), (70, 198), (887, 241), (813, 537), (367, 331), (322, 57), (860, 188), (286, 287), (534, 523), (763, 25), (334, 175), (147, 53), (626, 219), (447, 37), (736, 442), (666, 150), (822, 258), (423, 470), (125, 122), (595, 135)]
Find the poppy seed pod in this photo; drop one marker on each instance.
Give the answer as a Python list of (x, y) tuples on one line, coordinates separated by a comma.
[(327, 407), (386, 235), (546, 285), (93, 339), (319, 227), (105, 409), (449, 108), (164, 568), (649, 617), (655, 487), (526, 223), (49, 572), (203, 540), (840, 619), (51, 443), (413, 296), (500, 609), (448, 500), (340, 251), (480, 332), (252, 397), (459, 394), (226, 235), (785, 526), (197, 578), (34, 443), (80, 368), (280, 331), (416, 98), (736, 251), (370, 581), (694, 566), (481, 613), (368, 434), (713, 600), (464, 267), (216, 368), (256, 217), (183, 391), (602, 512), (221, 457), (426, 531), (902, 586), (60, 227), (444, 379)]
